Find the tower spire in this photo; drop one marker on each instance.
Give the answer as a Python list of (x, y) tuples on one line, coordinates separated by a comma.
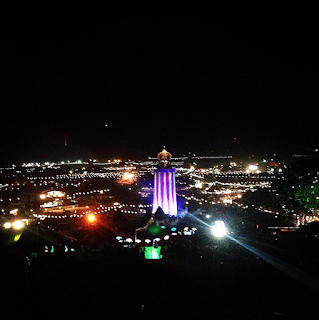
[(164, 158)]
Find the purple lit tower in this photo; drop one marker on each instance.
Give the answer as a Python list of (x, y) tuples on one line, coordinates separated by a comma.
[(164, 185)]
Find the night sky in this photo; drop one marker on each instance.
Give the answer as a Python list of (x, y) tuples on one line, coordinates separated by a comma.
[(190, 83)]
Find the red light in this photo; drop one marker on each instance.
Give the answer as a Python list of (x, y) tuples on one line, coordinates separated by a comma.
[(91, 218)]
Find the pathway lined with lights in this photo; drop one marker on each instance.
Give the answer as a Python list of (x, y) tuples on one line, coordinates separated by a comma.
[(74, 211)]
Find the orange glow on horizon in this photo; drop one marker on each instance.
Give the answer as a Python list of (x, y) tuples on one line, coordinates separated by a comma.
[(128, 178)]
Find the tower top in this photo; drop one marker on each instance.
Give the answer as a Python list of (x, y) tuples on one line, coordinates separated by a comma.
[(163, 158)]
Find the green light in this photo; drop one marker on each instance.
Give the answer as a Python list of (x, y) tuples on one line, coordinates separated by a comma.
[(159, 186), (154, 229), (153, 253)]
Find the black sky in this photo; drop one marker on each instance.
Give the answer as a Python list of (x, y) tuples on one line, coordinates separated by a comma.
[(191, 83)]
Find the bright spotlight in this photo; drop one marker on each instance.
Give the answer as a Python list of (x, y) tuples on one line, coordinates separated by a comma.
[(253, 167), (18, 224), (91, 218), (219, 229), (128, 176), (7, 225)]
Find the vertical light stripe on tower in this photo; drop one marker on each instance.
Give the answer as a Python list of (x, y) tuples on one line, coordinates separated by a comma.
[(163, 191), (169, 198), (155, 193), (172, 211), (174, 205), (159, 188)]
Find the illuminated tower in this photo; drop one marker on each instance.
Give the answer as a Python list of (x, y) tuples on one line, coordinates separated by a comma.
[(164, 185)]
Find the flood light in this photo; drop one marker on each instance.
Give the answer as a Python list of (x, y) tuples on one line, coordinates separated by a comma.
[(91, 218), (18, 224), (7, 225), (219, 229)]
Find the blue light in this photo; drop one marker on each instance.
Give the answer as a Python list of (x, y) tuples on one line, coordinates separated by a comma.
[(173, 229)]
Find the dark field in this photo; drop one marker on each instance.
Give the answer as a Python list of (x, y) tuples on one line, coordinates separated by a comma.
[(202, 277)]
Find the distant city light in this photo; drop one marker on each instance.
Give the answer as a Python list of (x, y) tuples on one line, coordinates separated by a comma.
[(128, 176), (227, 200), (14, 211), (252, 167), (198, 185), (52, 194), (7, 225)]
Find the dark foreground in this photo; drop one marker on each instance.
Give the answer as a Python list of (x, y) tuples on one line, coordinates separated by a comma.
[(219, 280)]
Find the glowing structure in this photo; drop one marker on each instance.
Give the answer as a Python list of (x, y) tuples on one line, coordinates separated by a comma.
[(153, 253), (165, 185)]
